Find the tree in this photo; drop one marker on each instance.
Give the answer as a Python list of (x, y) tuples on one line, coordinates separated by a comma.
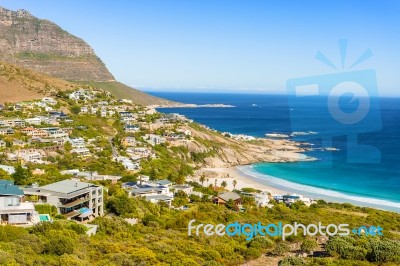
[(68, 146), (234, 183), (202, 179), (291, 261), (75, 109), (20, 176), (308, 245), (224, 184), (230, 204), (281, 248)]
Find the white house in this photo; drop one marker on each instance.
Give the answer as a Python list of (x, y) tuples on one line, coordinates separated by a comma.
[(73, 198), (8, 169), (82, 152), (12, 209), (49, 101), (153, 139), (34, 121)]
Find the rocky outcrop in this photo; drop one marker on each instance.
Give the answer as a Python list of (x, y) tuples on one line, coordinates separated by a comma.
[(43, 46)]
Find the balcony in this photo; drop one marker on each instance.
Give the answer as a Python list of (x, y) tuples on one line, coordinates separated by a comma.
[(74, 203)]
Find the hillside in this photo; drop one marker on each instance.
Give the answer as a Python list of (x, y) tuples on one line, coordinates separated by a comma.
[(20, 84), (42, 46), (123, 91)]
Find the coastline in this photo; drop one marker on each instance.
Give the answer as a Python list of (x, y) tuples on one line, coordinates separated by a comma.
[(252, 178), (246, 176)]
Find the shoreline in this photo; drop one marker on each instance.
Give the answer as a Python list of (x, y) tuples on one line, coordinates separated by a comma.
[(246, 176)]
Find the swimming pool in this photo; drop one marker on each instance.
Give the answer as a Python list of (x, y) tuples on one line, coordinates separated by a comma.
[(44, 217)]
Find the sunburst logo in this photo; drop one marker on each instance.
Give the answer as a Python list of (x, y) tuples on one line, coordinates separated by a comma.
[(351, 104)]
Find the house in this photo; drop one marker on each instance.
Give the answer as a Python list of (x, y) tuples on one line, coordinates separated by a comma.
[(6, 131), (131, 128), (159, 198), (12, 122), (12, 208), (184, 188), (77, 142), (9, 169), (73, 198), (103, 112), (81, 152), (34, 121), (223, 198), (81, 94), (143, 188), (49, 101), (58, 115), (153, 139), (19, 143), (124, 114), (30, 156), (35, 132), (55, 132), (127, 163), (84, 109), (129, 142)]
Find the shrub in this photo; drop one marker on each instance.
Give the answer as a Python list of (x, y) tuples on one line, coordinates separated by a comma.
[(59, 244), (291, 261), (308, 245), (281, 248), (384, 251)]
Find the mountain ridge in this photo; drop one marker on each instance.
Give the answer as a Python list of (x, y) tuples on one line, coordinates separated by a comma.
[(44, 47)]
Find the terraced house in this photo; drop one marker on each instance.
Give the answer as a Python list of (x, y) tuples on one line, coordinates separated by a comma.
[(75, 199)]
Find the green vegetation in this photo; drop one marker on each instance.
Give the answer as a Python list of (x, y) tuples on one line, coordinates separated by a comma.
[(122, 91), (160, 237), (168, 165)]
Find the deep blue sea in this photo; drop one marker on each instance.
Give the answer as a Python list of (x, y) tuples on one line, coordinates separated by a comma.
[(365, 170)]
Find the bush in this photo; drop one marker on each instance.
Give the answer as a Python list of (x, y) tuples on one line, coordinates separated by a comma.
[(280, 249), (308, 245), (59, 244), (46, 209), (384, 251), (261, 242), (291, 261), (252, 253)]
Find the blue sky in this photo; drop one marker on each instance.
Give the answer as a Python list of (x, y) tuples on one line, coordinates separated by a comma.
[(252, 46)]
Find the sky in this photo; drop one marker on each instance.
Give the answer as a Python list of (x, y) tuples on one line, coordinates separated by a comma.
[(243, 46)]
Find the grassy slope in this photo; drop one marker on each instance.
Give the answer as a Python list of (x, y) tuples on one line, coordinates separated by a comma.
[(20, 84), (123, 91)]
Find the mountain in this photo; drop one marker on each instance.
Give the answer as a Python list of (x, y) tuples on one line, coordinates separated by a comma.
[(19, 84), (42, 46)]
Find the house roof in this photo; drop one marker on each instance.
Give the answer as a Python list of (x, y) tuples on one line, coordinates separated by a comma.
[(229, 195), (158, 197), (164, 182), (66, 186), (8, 188)]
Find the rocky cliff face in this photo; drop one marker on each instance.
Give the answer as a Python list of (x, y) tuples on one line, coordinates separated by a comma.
[(43, 46)]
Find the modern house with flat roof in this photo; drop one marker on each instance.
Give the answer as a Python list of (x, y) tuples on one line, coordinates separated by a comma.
[(73, 198), (12, 209)]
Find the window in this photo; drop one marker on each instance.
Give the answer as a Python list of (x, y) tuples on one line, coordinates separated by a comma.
[(11, 201)]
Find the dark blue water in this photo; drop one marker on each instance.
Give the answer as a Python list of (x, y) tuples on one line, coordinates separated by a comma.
[(367, 164)]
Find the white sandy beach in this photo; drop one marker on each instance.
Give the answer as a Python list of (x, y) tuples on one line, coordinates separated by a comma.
[(228, 174)]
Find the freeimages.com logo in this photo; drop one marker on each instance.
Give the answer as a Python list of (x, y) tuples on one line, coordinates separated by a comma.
[(351, 105)]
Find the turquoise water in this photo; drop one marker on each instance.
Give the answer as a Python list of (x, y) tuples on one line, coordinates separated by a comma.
[(374, 179), (44, 217)]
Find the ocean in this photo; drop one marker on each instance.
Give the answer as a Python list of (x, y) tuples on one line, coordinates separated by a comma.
[(365, 170)]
